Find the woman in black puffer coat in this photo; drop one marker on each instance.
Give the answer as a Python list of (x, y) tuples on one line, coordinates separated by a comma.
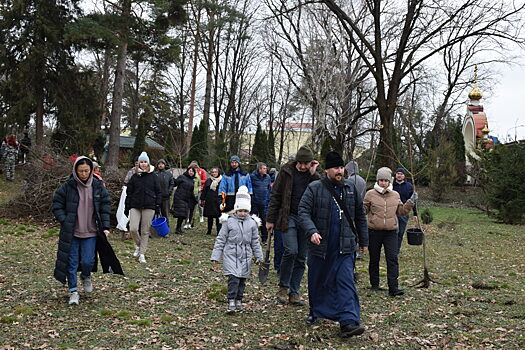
[(82, 206), (183, 199)]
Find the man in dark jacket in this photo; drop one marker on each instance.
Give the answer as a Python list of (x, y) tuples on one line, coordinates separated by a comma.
[(405, 190), (282, 215), (262, 186), (332, 245), (166, 187)]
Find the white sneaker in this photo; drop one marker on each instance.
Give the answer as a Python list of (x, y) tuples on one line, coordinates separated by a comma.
[(137, 250), (201, 219), (88, 286), (142, 259), (73, 298)]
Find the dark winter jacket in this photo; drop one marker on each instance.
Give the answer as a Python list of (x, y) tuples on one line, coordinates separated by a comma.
[(211, 200), (143, 191), (183, 199), (315, 212), (65, 205), (405, 190), (281, 197), (167, 182), (262, 186)]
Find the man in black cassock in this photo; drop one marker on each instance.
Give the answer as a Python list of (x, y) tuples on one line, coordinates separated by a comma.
[(333, 243)]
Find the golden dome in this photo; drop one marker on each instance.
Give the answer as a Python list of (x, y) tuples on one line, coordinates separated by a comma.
[(475, 94), (485, 130)]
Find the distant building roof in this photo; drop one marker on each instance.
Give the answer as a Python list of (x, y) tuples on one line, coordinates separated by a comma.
[(296, 126), (129, 141)]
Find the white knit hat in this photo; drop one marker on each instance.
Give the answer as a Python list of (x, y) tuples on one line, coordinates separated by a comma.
[(243, 200), (143, 156)]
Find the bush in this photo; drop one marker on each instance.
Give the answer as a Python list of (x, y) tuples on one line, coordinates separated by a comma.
[(426, 216), (442, 170), (502, 182)]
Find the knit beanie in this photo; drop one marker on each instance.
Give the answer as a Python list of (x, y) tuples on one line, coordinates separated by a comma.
[(304, 155), (333, 160), (243, 200), (235, 159), (162, 160), (143, 157), (384, 173), (401, 170)]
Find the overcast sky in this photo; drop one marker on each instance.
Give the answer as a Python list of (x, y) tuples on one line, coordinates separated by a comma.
[(505, 108)]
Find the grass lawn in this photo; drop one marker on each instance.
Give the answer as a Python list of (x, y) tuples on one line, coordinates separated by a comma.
[(176, 301)]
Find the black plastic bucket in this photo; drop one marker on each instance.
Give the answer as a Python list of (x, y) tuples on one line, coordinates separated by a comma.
[(415, 236)]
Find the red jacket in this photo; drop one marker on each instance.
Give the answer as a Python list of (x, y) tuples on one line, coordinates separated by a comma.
[(202, 175)]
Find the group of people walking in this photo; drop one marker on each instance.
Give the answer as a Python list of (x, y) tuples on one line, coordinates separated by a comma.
[(322, 221)]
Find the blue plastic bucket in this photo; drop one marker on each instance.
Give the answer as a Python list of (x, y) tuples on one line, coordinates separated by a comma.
[(161, 226)]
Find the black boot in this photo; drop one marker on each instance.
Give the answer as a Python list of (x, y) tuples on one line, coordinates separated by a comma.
[(396, 292), (351, 330)]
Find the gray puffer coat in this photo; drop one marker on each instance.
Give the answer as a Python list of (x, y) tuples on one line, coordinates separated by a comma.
[(237, 242)]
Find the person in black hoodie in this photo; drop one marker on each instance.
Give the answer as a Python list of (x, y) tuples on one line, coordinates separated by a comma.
[(82, 206), (183, 198), (143, 200)]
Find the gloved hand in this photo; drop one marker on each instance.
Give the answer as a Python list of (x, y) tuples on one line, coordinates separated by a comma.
[(126, 211), (414, 197), (223, 203)]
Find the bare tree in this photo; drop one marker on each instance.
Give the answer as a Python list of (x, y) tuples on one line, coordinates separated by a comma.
[(407, 34)]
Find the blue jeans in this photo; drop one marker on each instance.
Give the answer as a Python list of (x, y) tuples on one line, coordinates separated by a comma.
[(401, 226), (83, 252), (294, 256), (277, 249)]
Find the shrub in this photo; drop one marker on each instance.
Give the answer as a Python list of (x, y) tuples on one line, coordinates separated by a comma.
[(502, 182), (426, 216)]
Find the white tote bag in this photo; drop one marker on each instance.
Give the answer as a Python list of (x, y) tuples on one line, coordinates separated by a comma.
[(122, 219)]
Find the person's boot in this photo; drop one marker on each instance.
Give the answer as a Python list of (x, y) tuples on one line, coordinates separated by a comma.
[(310, 320), (295, 300), (239, 307), (231, 306), (201, 220), (74, 298), (282, 295), (142, 258), (351, 330), (88, 286), (396, 292)]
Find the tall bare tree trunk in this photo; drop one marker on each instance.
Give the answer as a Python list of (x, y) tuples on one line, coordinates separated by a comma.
[(191, 112), (118, 92), (39, 117)]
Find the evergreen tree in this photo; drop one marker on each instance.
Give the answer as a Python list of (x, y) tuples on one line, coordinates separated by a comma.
[(198, 148), (259, 149), (140, 139)]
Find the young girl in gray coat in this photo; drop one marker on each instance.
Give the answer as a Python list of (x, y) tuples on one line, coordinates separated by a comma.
[(238, 242)]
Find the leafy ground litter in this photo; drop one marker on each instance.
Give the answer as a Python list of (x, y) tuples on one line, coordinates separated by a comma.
[(177, 301)]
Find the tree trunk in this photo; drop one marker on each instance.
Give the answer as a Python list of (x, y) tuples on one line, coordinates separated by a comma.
[(191, 112), (118, 92), (39, 118)]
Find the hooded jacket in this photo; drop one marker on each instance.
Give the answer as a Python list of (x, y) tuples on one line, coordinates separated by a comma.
[(262, 186), (237, 243), (143, 190), (184, 197), (166, 182), (352, 169), (65, 206)]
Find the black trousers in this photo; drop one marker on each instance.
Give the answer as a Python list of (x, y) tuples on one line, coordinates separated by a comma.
[(236, 287), (388, 240), (260, 211), (210, 225)]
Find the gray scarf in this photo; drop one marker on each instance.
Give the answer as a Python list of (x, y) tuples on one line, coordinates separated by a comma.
[(215, 182), (86, 225)]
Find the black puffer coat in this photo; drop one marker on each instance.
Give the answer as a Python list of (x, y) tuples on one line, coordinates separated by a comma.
[(183, 199), (143, 191), (65, 205), (211, 200)]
